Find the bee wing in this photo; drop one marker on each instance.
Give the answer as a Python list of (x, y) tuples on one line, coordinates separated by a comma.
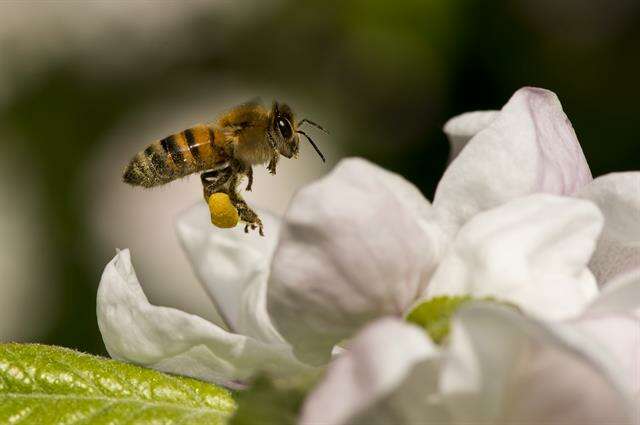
[(231, 132), (254, 101), (243, 116)]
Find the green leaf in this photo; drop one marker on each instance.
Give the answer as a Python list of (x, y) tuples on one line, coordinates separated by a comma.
[(272, 402), (42, 384), (435, 314)]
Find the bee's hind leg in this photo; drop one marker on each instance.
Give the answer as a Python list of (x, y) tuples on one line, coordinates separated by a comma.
[(226, 181), (246, 214), (215, 181)]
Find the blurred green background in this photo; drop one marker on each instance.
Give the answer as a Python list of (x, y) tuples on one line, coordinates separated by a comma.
[(84, 85)]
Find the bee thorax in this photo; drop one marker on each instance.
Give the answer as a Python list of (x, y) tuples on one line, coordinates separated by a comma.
[(253, 152)]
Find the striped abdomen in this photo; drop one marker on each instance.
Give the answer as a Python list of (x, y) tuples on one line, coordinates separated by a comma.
[(176, 156)]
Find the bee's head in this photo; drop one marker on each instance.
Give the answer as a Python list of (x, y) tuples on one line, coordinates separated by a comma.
[(286, 131)]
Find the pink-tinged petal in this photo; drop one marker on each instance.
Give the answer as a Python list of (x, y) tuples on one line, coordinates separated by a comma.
[(460, 129), (532, 251), (618, 196), (506, 369), (529, 147), (373, 381), (234, 267), (356, 245), (176, 342)]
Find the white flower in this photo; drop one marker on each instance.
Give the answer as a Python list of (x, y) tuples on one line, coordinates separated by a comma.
[(355, 247), (363, 243), (537, 251), (498, 367)]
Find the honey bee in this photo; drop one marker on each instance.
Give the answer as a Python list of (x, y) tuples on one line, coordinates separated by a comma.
[(224, 151)]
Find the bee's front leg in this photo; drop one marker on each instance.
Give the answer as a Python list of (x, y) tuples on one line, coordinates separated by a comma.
[(273, 163), (249, 175), (275, 155)]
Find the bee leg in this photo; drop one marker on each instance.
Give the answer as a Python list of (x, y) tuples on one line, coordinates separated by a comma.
[(249, 217), (214, 181), (273, 163), (249, 174), (275, 155), (246, 214)]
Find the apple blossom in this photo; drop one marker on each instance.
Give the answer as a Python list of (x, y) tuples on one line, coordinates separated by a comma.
[(355, 247), (516, 217)]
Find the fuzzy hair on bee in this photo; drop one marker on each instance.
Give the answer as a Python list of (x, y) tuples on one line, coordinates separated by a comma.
[(224, 151)]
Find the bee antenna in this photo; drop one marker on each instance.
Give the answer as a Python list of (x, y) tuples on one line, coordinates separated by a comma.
[(312, 144), (305, 120)]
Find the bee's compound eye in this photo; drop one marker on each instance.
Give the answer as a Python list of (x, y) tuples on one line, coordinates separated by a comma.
[(285, 127)]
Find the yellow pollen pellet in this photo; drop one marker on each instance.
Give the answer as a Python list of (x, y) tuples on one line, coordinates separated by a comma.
[(223, 213)]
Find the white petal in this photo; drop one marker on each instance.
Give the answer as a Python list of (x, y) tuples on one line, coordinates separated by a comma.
[(364, 384), (356, 245), (619, 336), (506, 369), (532, 251), (530, 147), (618, 196), (174, 341), (613, 322), (619, 295), (234, 268), (460, 129)]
